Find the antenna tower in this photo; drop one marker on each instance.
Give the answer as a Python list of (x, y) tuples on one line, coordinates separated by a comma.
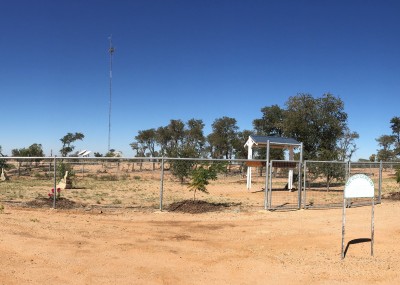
[(111, 51)]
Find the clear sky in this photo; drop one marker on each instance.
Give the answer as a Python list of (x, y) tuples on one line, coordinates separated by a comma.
[(183, 59)]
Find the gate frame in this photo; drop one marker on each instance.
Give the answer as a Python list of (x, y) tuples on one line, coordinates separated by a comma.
[(268, 191)]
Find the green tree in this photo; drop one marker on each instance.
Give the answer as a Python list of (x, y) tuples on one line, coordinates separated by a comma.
[(176, 140), (34, 150), (271, 123), (181, 169), (67, 141), (321, 124), (146, 141), (390, 144), (176, 132), (240, 151), (223, 137), (194, 136), (162, 139), (135, 148), (330, 171), (398, 174), (62, 168), (386, 142), (200, 177), (186, 141), (140, 149), (395, 125), (113, 153), (317, 122), (347, 145)]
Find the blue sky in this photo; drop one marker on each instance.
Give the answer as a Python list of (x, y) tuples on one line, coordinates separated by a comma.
[(183, 59)]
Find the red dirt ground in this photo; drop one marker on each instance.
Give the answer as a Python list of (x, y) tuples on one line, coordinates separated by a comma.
[(42, 246)]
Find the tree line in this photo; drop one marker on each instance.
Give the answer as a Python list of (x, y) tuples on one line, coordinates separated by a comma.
[(320, 123), (389, 144)]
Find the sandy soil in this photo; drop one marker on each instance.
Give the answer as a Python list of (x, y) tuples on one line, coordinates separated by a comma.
[(47, 246)]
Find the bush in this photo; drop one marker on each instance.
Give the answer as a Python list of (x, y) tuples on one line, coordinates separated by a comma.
[(181, 169), (62, 167), (201, 176), (3, 164), (109, 177), (398, 174)]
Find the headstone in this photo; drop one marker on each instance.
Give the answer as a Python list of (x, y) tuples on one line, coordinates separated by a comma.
[(65, 182), (3, 176)]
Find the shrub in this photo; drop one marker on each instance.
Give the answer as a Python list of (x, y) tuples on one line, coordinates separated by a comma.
[(398, 174), (201, 176), (117, 202), (62, 167)]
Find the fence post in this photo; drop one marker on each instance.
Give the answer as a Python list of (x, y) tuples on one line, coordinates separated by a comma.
[(304, 184), (270, 186), (162, 184), (348, 170), (266, 178), (55, 182), (299, 196), (380, 182)]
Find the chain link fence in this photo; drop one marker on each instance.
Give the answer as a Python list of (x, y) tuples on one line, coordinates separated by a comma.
[(284, 189), (137, 183), (24, 178), (387, 178), (158, 183), (324, 183)]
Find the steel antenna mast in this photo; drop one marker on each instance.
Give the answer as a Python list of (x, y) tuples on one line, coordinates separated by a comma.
[(111, 51)]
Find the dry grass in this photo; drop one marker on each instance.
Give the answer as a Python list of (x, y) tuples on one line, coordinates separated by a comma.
[(137, 185)]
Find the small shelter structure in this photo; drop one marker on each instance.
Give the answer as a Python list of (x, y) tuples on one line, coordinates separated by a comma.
[(272, 142)]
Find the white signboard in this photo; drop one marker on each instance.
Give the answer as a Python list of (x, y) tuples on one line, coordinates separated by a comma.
[(359, 186)]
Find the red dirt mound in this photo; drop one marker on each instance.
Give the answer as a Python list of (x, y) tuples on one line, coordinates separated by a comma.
[(61, 203), (196, 207), (392, 196)]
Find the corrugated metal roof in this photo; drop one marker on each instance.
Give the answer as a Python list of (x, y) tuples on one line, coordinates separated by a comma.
[(274, 140)]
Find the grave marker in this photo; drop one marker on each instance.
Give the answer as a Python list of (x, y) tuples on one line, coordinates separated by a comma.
[(3, 176)]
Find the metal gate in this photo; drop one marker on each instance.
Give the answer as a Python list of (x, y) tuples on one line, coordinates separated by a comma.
[(283, 185)]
